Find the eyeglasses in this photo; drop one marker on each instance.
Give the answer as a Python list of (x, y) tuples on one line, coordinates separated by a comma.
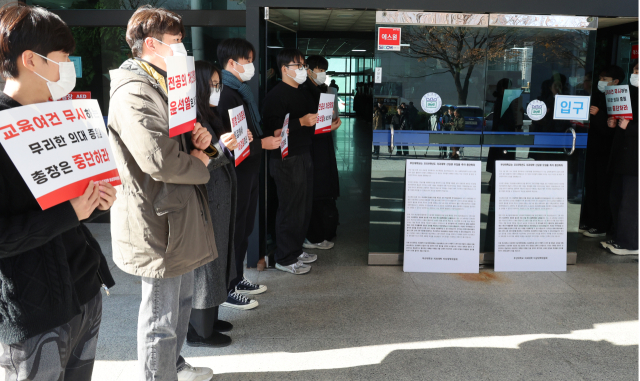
[(298, 66), (216, 87)]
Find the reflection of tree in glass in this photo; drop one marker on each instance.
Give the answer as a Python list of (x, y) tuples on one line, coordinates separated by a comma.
[(459, 50)]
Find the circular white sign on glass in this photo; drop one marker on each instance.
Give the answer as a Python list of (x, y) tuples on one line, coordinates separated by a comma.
[(536, 110), (431, 103)]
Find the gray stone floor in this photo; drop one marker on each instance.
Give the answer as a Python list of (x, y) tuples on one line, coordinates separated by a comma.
[(349, 321)]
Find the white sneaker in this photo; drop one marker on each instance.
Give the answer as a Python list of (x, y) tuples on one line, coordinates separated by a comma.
[(190, 373), (307, 258), (297, 268), (324, 245)]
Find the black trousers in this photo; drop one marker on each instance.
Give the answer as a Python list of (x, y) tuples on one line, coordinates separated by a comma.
[(203, 320), (324, 220), (293, 176), (596, 208), (624, 207), (248, 188)]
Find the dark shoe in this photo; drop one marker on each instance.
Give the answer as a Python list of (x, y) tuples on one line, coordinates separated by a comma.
[(216, 340), (593, 233), (616, 249), (583, 228), (222, 326), (239, 301)]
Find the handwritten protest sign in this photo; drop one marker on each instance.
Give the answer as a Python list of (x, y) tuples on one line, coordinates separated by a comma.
[(325, 113), (181, 85), (58, 147), (618, 102), (239, 127), (284, 143)]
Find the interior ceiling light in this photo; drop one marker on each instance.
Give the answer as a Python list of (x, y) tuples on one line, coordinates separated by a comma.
[(359, 50)]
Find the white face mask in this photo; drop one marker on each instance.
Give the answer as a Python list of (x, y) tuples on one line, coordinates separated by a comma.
[(633, 80), (214, 98), (602, 85), (67, 80), (177, 49), (301, 76), (249, 71), (320, 78)]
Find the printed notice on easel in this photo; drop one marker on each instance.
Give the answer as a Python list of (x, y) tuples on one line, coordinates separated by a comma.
[(325, 113), (239, 127), (442, 216), (284, 143), (531, 216)]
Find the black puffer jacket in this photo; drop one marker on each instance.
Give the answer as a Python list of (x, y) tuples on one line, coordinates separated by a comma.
[(50, 264)]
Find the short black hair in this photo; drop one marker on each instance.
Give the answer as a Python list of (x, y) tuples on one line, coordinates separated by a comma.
[(23, 27), (317, 62), (614, 72), (235, 49), (289, 55)]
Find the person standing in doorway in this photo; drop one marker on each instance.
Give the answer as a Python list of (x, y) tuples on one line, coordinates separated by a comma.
[(293, 174), (456, 125), (623, 167), (447, 122), (161, 229), (236, 56), (51, 267), (399, 122), (335, 86), (595, 218), (324, 213)]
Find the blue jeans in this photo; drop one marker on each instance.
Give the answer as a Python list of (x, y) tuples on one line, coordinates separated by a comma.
[(163, 322)]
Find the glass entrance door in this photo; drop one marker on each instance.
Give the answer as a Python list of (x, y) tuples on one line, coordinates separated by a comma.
[(463, 83)]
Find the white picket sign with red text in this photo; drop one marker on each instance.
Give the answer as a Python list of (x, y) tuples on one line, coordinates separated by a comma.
[(618, 102), (325, 113), (181, 86), (284, 143), (240, 127)]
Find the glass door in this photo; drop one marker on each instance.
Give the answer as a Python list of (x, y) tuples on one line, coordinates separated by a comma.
[(463, 83)]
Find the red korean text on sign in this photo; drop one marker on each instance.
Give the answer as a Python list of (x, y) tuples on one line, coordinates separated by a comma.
[(389, 36)]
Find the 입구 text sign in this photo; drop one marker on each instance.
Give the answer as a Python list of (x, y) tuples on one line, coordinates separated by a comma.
[(181, 85), (284, 143), (442, 216), (58, 147), (618, 102), (325, 113), (239, 127)]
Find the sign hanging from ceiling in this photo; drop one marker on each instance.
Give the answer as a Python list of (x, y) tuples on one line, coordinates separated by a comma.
[(389, 38)]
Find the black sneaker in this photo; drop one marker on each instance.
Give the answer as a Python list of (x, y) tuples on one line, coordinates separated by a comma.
[(593, 233), (247, 288), (616, 249), (222, 326), (583, 228), (216, 340), (239, 302), (605, 244)]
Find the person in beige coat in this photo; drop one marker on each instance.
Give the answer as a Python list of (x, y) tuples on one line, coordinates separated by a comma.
[(160, 226)]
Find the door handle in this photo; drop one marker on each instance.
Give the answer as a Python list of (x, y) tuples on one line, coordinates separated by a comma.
[(573, 144)]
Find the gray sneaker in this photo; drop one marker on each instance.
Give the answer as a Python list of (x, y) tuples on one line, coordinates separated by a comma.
[(297, 268), (307, 258), (324, 245)]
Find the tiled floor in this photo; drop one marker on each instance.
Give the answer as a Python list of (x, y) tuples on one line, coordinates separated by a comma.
[(349, 321)]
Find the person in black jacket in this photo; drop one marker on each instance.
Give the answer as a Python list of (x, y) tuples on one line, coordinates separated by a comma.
[(51, 267), (595, 218), (236, 56), (623, 166), (324, 213)]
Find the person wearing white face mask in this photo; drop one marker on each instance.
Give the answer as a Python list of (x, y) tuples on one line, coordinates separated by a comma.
[(623, 167), (152, 237), (48, 258), (236, 56), (293, 175), (595, 216), (324, 214)]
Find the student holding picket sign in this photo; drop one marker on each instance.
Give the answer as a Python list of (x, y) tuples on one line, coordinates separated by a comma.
[(51, 267)]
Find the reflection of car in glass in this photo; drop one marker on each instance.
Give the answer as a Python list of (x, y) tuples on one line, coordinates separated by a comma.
[(488, 122), (473, 118)]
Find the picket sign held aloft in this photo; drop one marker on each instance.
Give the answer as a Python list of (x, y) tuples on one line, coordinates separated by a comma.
[(181, 86), (239, 127), (58, 147), (618, 102), (325, 113), (284, 143)]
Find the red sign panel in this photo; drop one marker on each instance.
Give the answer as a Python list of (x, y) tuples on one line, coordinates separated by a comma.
[(389, 36), (634, 52)]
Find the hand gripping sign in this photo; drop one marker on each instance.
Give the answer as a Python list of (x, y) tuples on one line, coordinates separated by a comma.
[(181, 85), (58, 147), (284, 143), (325, 113), (618, 102), (239, 127)]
